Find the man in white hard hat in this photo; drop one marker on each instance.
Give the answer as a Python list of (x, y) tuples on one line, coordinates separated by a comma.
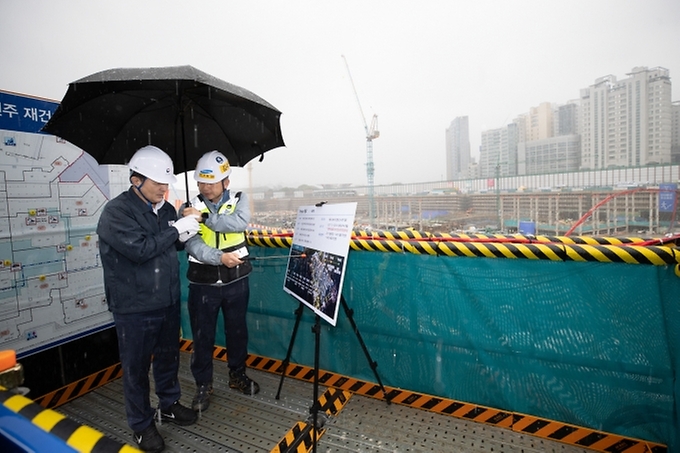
[(139, 236), (218, 277)]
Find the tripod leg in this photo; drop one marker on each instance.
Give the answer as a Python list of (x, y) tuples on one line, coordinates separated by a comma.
[(315, 404), (350, 314), (286, 361)]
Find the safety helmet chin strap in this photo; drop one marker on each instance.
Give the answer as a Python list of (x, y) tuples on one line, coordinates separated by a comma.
[(139, 189), (225, 191), (220, 198)]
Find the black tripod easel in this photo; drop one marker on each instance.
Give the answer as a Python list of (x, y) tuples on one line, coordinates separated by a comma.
[(316, 329)]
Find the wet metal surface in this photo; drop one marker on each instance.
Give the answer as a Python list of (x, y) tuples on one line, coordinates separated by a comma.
[(242, 423)]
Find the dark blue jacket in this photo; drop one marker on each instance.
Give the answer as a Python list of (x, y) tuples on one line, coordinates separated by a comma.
[(138, 250)]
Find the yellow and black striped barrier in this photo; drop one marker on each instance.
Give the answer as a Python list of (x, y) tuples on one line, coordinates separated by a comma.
[(333, 400), (592, 240), (284, 236), (631, 254), (300, 439), (79, 437), (265, 238), (629, 250), (392, 234), (80, 387)]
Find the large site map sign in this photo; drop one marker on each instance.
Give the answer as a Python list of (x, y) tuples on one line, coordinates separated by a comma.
[(51, 196), (318, 257)]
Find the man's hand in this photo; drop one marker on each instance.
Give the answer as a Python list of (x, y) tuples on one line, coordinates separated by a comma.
[(231, 259), (191, 211), (187, 227)]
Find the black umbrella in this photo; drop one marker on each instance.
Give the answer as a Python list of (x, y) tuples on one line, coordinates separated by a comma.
[(183, 111)]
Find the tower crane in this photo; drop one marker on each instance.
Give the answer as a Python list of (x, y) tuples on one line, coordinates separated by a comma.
[(371, 133)]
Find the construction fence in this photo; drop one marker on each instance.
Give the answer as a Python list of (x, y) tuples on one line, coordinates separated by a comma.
[(580, 330)]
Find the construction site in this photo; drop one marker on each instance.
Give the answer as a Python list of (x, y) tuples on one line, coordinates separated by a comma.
[(532, 313), (597, 211)]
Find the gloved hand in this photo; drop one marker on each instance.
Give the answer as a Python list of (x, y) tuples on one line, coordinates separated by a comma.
[(187, 227)]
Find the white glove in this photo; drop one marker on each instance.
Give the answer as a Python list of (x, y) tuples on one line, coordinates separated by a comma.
[(187, 227), (200, 205)]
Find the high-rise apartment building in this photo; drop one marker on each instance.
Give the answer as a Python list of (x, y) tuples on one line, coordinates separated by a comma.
[(550, 143), (565, 119), (615, 123), (539, 124), (627, 123), (458, 149), (675, 132), (498, 153)]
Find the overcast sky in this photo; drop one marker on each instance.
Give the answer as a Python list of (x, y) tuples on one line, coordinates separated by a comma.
[(417, 65)]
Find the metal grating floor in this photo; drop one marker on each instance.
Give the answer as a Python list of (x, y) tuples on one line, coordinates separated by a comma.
[(241, 423)]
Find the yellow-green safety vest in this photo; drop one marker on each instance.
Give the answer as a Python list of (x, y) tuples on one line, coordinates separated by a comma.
[(222, 241)]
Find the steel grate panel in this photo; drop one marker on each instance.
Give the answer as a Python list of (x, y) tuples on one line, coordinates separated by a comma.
[(369, 425), (102, 409), (237, 423)]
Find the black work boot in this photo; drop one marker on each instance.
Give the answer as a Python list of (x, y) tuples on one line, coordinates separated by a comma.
[(177, 414), (202, 397), (149, 439), (239, 381)]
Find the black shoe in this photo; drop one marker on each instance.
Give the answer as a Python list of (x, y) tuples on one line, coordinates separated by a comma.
[(202, 397), (177, 414), (149, 439), (239, 381)]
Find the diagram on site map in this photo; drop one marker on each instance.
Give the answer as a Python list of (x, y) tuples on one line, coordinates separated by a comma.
[(51, 283)]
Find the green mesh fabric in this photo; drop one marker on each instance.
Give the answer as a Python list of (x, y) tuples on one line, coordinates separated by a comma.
[(590, 344)]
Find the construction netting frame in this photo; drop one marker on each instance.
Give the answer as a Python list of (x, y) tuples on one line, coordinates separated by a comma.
[(581, 331)]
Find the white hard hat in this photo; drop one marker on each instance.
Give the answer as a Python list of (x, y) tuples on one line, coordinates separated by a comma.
[(153, 163), (212, 167)]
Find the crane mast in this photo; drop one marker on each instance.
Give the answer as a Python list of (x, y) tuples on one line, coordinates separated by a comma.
[(372, 132)]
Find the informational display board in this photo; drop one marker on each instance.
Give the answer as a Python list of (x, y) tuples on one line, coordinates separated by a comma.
[(51, 196), (318, 257)]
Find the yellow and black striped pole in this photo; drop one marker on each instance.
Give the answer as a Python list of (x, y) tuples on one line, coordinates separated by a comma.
[(79, 437), (628, 250)]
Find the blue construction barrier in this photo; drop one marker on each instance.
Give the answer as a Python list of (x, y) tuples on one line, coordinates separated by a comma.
[(19, 435), (27, 427)]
